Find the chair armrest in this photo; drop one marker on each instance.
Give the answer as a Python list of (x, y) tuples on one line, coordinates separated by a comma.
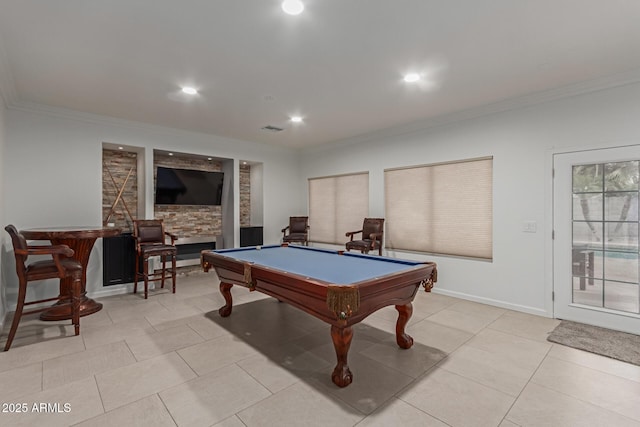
[(172, 236), (351, 233), (48, 250), (285, 229), (375, 236), (54, 250)]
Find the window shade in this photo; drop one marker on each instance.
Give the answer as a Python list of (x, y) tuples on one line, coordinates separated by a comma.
[(442, 208), (337, 204)]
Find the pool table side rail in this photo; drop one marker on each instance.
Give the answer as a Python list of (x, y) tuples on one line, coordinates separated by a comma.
[(310, 295), (231, 251)]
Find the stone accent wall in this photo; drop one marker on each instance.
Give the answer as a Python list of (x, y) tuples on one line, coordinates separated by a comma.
[(183, 220), (245, 195), (116, 166)]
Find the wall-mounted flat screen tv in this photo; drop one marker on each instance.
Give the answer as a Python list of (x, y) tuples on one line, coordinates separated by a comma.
[(188, 187)]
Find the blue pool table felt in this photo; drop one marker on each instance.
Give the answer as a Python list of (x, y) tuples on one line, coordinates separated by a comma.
[(321, 264)]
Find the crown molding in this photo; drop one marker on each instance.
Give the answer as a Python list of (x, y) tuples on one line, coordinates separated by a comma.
[(567, 91), (91, 118), (101, 120), (8, 92)]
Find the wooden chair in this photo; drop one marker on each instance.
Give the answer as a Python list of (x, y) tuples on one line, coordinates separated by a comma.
[(150, 239), (61, 266), (298, 230), (372, 236)]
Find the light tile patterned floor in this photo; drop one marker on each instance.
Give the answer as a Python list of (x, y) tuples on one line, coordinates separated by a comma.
[(171, 360)]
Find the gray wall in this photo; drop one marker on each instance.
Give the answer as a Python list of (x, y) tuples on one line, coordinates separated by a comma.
[(522, 142), (52, 159), (55, 174), (3, 234)]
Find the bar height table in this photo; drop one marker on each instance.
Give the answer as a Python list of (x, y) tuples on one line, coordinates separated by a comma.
[(81, 239)]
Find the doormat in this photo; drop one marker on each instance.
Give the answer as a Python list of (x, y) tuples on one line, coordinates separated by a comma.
[(605, 342)]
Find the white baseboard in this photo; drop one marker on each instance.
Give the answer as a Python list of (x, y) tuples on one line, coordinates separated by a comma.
[(107, 291), (496, 303)]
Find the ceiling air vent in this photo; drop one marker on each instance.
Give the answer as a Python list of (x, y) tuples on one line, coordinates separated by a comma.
[(272, 128)]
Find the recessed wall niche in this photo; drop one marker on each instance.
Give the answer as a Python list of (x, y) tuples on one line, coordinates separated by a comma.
[(119, 188), (188, 220), (251, 206)]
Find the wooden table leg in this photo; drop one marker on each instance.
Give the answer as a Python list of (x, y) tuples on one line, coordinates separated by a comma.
[(82, 250), (225, 290), (341, 337), (404, 314)]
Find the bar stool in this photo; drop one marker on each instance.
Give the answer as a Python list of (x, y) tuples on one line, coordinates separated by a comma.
[(150, 240)]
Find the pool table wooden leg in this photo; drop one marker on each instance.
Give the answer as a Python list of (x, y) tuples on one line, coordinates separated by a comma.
[(404, 314), (225, 290), (341, 337)]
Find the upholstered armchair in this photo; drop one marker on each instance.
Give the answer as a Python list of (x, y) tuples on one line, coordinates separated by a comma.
[(298, 229), (372, 236)]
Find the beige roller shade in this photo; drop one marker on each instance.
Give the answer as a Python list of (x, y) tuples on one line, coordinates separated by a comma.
[(337, 204), (443, 208)]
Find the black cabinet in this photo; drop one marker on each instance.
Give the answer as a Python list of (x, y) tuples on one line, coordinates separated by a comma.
[(250, 236), (118, 259)]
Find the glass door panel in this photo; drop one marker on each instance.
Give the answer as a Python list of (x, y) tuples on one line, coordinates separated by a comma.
[(596, 249), (618, 219)]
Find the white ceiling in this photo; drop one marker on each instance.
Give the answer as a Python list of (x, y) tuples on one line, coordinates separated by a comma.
[(339, 64)]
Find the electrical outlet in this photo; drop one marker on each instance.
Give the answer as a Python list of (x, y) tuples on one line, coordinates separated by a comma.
[(530, 227)]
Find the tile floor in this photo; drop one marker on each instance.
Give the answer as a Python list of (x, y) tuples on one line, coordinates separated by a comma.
[(171, 360)]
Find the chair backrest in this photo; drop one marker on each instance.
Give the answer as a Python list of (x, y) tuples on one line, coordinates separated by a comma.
[(148, 231), (298, 224), (19, 242), (372, 225)]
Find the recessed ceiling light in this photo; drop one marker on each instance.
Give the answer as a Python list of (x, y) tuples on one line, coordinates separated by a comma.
[(189, 90), (209, 158), (411, 77), (296, 119), (171, 154), (120, 148), (292, 7)]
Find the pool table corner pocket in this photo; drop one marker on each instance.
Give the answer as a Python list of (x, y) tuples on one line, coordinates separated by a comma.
[(343, 300)]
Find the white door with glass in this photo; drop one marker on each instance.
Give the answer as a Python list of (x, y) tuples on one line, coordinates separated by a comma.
[(596, 267)]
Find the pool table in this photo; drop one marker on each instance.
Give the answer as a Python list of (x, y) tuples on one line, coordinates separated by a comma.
[(338, 287)]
